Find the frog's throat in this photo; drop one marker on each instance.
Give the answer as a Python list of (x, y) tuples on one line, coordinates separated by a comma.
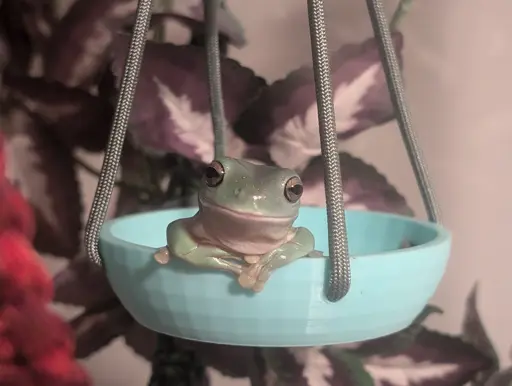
[(244, 215)]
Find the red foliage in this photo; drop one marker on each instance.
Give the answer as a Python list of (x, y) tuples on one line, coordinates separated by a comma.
[(36, 348)]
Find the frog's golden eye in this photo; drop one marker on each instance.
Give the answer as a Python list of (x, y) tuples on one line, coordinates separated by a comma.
[(293, 189), (214, 174)]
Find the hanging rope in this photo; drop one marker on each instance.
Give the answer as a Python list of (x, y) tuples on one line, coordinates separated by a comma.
[(120, 125), (339, 280), (396, 90), (211, 11)]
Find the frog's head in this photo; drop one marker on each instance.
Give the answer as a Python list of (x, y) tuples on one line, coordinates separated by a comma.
[(244, 189)]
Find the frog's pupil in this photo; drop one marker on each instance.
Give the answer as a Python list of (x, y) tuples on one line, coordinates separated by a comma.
[(212, 173), (296, 189)]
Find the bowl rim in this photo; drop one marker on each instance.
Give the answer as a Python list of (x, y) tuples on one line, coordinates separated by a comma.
[(443, 236)]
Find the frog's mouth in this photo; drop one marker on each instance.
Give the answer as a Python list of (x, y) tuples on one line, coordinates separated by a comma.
[(222, 210)]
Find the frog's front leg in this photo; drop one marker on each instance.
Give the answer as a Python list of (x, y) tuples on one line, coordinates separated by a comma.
[(255, 275), (181, 244)]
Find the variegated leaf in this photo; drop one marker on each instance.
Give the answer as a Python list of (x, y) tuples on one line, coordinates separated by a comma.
[(285, 115), (82, 283), (314, 366), (473, 332), (14, 31), (433, 359), (391, 344), (501, 378), (76, 117), (364, 187), (229, 25), (43, 169), (96, 328), (171, 110), (141, 340), (80, 43)]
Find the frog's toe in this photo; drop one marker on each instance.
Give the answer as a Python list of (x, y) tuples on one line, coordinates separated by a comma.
[(246, 281), (162, 255)]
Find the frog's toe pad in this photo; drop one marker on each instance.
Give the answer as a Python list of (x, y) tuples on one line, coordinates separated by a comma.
[(162, 255)]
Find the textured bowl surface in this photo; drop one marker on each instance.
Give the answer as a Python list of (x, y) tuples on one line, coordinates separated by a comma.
[(390, 284)]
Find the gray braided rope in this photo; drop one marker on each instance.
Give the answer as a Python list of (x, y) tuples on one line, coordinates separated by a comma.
[(120, 125), (396, 90), (211, 11), (339, 280)]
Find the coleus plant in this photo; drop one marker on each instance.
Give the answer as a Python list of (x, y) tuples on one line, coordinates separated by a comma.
[(67, 105)]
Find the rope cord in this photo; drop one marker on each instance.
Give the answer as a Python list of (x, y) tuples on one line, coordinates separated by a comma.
[(211, 8), (120, 125), (396, 89), (339, 279)]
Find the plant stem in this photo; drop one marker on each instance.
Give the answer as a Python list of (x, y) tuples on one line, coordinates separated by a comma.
[(400, 12)]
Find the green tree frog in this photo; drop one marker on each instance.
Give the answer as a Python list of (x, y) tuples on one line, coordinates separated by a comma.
[(244, 224)]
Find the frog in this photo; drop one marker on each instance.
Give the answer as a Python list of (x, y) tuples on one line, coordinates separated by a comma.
[(244, 222)]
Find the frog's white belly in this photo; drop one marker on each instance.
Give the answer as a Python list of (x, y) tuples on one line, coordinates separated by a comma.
[(242, 236)]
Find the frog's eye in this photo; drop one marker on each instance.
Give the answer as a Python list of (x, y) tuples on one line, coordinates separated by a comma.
[(214, 174), (293, 189)]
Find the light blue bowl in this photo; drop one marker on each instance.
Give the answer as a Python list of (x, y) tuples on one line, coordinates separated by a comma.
[(390, 286)]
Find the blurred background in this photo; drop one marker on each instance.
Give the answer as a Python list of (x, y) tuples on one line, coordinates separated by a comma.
[(457, 73)]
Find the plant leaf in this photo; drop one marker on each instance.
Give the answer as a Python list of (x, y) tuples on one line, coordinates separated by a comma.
[(141, 340), (284, 368), (433, 359), (79, 44), (364, 187), (352, 369), (193, 11), (473, 332), (285, 116), (392, 344), (43, 169), (171, 109), (95, 329), (76, 117), (232, 361), (501, 378), (82, 283)]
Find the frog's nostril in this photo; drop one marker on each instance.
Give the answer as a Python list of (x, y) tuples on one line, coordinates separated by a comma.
[(238, 191)]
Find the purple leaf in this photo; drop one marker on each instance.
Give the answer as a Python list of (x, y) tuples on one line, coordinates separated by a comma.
[(192, 10), (82, 283), (391, 344), (285, 369), (76, 117), (314, 366), (96, 328), (501, 378), (79, 45), (141, 340), (473, 332), (433, 360), (13, 28), (44, 171), (284, 116), (171, 109), (231, 361), (364, 187)]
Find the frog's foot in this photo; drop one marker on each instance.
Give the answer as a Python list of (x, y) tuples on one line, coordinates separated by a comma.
[(249, 275), (162, 255), (315, 253), (254, 277), (261, 280), (251, 259)]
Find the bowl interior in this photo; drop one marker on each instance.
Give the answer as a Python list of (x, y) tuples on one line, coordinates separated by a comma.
[(368, 232)]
